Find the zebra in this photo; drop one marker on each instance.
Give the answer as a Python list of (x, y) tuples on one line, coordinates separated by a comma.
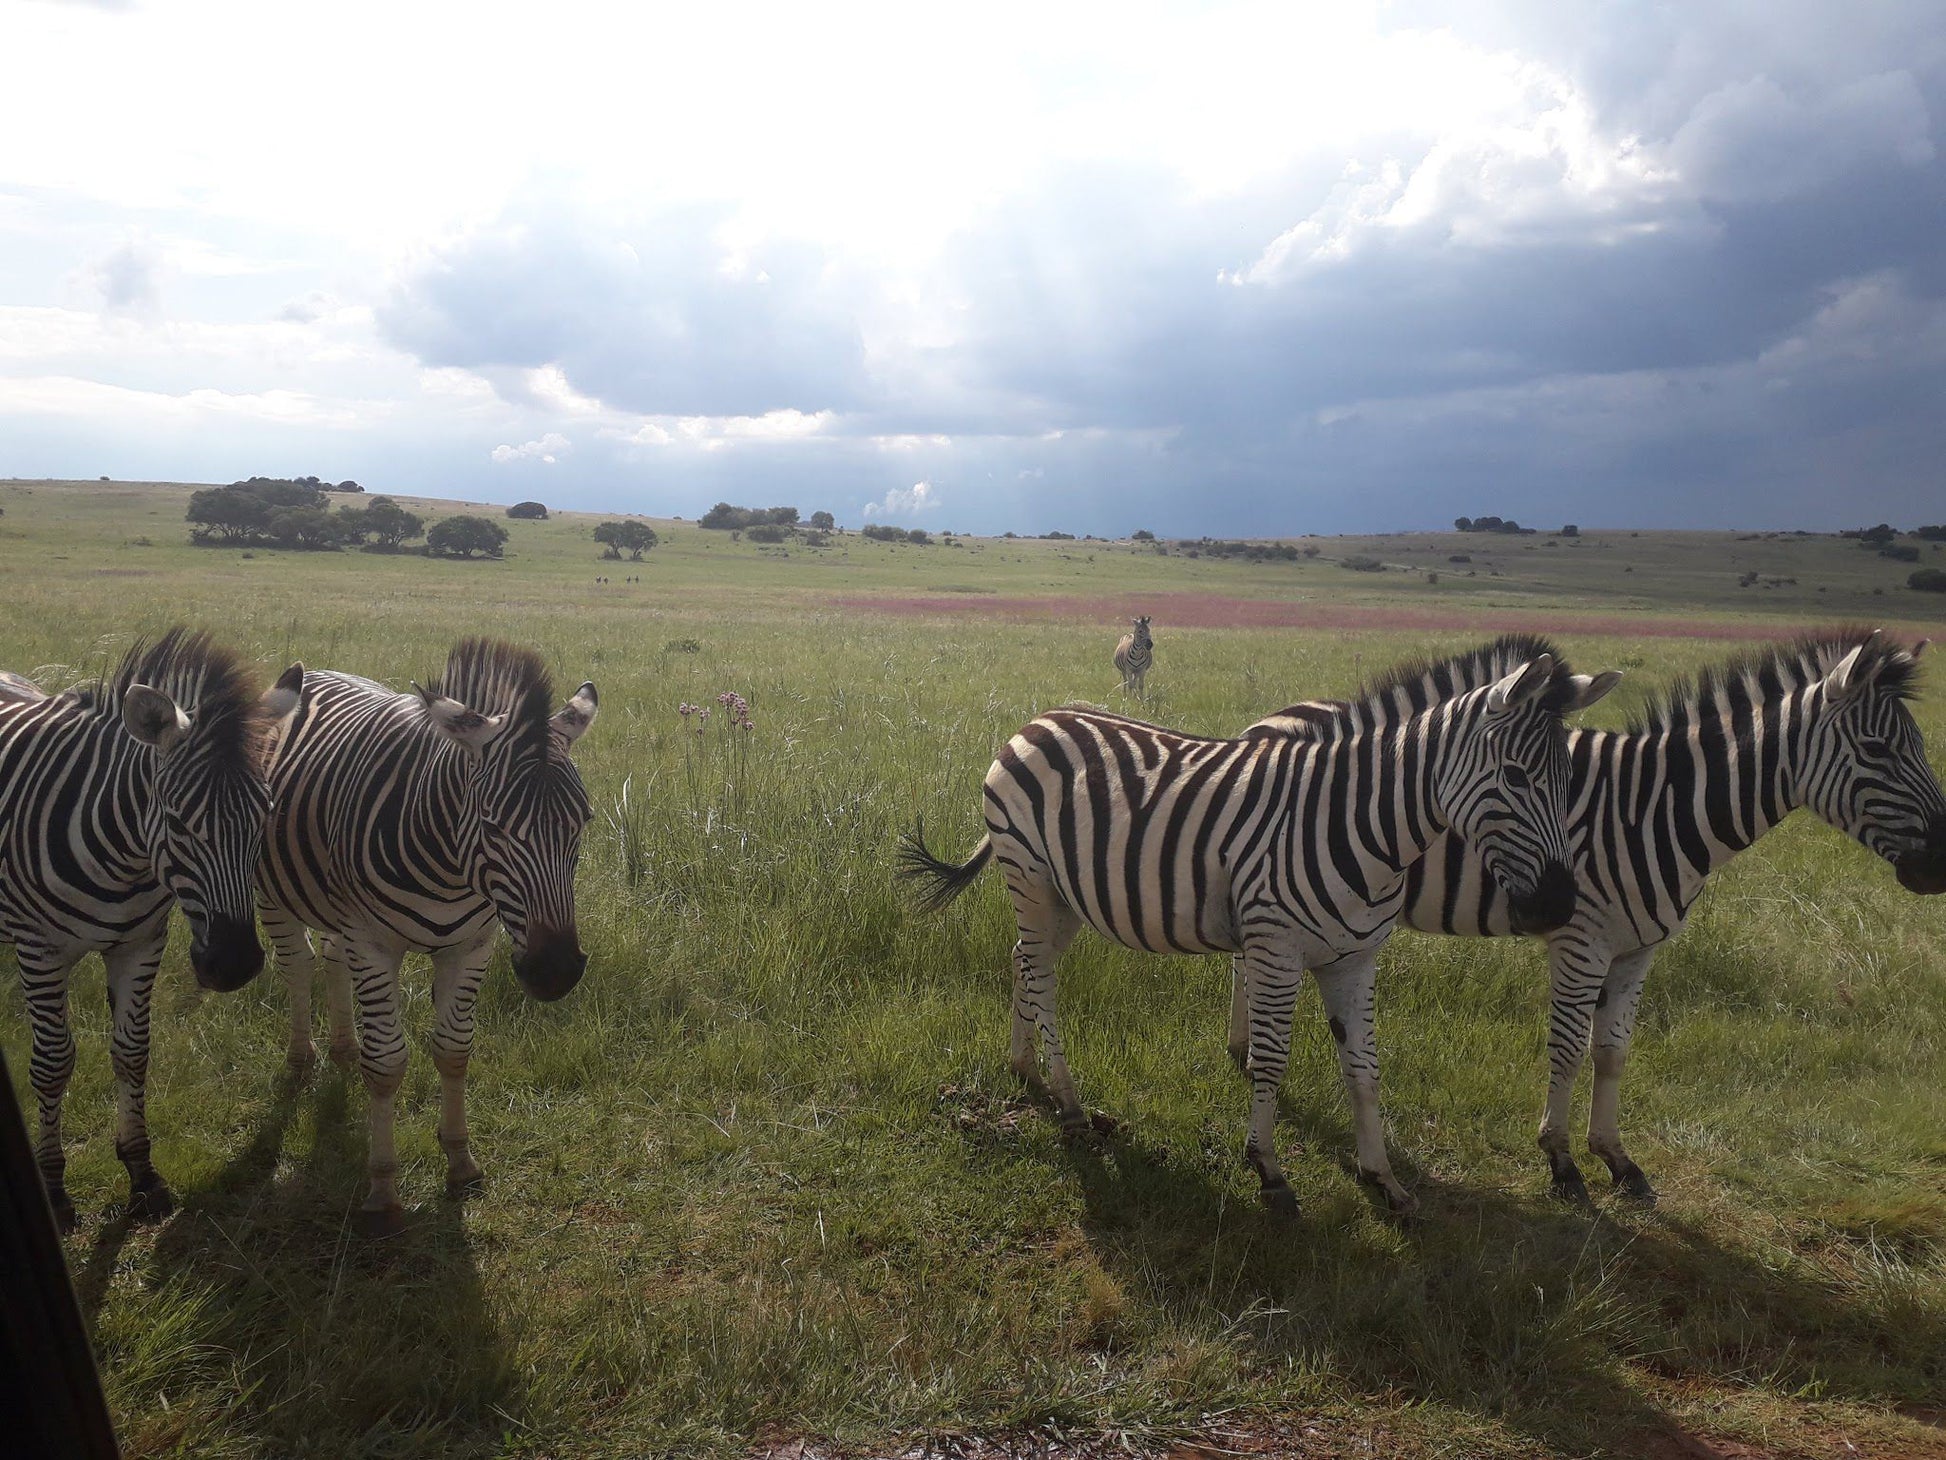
[(414, 822), (117, 799), (1134, 653), (1289, 851), (1820, 722)]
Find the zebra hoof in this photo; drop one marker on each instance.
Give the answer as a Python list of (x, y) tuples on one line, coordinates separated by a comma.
[(1402, 1204), (1077, 1129), (1240, 1057), (1570, 1189), (1281, 1201), (299, 1061), (1631, 1185), (465, 1182), (375, 1222), (151, 1200), (63, 1209)]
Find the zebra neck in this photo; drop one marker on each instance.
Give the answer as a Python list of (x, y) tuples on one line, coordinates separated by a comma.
[(109, 799), (1708, 790), (1399, 815)]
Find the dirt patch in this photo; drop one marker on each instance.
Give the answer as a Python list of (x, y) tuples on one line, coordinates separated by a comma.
[(125, 572), (1211, 611)]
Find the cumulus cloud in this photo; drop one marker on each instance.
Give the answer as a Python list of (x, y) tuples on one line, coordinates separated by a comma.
[(912, 501), (548, 449)]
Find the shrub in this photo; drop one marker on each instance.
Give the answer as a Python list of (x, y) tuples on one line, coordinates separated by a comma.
[(1460, 558), (1358, 563), (883, 532), (725, 518), (1930, 534), (633, 538), (823, 521), (1928, 580), (1141, 534), (919, 535), (464, 535), (1900, 552), (384, 521), (528, 511), (766, 532), (1571, 531)]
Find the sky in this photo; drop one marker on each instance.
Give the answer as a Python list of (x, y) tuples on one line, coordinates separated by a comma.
[(1236, 269)]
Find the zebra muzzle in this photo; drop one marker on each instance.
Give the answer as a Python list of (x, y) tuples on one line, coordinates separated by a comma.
[(225, 953), (550, 966), (1549, 905), (1923, 869)]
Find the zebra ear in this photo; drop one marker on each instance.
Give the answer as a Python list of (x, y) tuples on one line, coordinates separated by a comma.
[(464, 727), (574, 718), (1855, 671), (153, 718), (1589, 688), (280, 701), (1524, 684)]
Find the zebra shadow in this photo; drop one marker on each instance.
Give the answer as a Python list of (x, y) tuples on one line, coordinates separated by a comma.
[(1505, 1305), (334, 1335)]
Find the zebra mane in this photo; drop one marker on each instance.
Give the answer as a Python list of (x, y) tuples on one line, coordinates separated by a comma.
[(212, 685), (495, 677), (1763, 675), (1418, 684)]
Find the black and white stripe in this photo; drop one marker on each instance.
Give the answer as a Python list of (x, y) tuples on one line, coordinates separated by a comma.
[(1288, 851), (415, 823), (1820, 723), (115, 800), (1134, 653)]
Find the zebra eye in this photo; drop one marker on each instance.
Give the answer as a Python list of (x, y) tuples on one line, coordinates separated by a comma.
[(1516, 777)]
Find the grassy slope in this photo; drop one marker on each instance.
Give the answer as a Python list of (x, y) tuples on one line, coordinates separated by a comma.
[(765, 1173)]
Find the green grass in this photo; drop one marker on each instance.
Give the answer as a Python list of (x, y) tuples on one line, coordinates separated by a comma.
[(765, 1175)]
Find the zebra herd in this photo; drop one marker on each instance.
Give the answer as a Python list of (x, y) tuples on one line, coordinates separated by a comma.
[(384, 822), (1450, 795)]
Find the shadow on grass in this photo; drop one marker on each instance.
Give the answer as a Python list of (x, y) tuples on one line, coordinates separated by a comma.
[(1508, 1306), (338, 1344)]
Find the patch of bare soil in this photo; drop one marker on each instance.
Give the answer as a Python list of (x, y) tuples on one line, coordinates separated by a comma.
[(1212, 611)]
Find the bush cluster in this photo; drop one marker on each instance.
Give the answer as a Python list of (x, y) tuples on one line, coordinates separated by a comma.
[(725, 518)]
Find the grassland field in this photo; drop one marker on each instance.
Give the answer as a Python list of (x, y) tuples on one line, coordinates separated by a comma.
[(764, 1177)]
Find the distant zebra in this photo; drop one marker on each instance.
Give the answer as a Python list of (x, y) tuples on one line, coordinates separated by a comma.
[(1133, 655), (415, 822), (1820, 722), (115, 800), (1290, 851)]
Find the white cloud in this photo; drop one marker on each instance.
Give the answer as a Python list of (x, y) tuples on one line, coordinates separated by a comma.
[(550, 447), (910, 501)]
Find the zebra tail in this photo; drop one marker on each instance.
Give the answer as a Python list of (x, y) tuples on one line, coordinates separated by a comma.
[(939, 882)]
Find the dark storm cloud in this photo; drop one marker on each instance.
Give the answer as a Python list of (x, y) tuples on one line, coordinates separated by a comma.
[(648, 318), (1723, 299)]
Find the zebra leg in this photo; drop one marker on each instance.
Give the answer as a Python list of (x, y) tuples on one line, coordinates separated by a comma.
[(1270, 981), (1239, 1013), (1576, 968), (293, 948), (337, 998), (1347, 989), (44, 982), (456, 977), (131, 982), (1047, 925), (381, 1058), (1614, 1027)]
